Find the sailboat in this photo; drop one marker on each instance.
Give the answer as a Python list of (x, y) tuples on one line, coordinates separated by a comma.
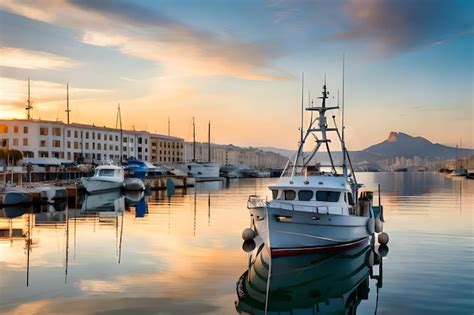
[(199, 169), (459, 170), (312, 208)]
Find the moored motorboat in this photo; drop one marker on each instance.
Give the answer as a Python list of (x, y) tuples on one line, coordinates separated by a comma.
[(314, 209), (106, 177), (16, 196)]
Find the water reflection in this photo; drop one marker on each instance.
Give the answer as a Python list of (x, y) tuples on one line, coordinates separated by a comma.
[(334, 283)]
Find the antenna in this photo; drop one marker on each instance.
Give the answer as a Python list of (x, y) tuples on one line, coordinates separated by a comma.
[(342, 118), (67, 102), (29, 107)]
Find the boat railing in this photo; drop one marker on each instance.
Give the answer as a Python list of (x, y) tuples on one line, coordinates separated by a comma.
[(314, 209), (255, 201)]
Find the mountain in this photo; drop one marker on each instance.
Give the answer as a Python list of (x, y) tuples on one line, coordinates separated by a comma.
[(397, 145)]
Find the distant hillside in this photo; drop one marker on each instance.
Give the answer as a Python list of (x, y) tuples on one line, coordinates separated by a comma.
[(398, 145)]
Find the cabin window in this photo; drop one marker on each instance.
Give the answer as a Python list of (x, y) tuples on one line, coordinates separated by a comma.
[(105, 172), (290, 194), (350, 199), (305, 195), (329, 196), (274, 193)]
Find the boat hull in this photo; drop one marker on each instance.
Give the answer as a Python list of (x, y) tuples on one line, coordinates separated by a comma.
[(97, 186), (289, 232), (16, 197)]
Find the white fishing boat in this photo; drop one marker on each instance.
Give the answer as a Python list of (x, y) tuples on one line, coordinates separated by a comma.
[(106, 177), (313, 208)]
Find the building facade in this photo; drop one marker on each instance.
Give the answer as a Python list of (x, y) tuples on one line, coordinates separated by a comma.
[(234, 155), (87, 143)]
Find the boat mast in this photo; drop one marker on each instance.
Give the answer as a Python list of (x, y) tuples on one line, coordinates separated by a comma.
[(209, 142), (118, 122), (67, 102), (29, 107), (194, 140), (344, 161)]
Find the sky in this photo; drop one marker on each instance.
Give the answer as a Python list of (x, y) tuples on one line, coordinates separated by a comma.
[(238, 64)]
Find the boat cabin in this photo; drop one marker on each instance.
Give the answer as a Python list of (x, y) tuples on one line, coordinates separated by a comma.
[(321, 194), (109, 171)]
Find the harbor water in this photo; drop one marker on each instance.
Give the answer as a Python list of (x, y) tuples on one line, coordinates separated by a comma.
[(182, 254)]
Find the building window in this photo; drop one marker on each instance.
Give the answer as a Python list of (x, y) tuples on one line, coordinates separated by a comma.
[(56, 131), (125, 139), (110, 137), (69, 144), (15, 142), (56, 143), (99, 146), (76, 145), (111, 147), (140, 140), (69, 133), (15, 129), (93, 145), (25, 141), (87, 145), (43, 143), (43, 131), (43, 154), (93, 135), (116, 138), (99, 137), (25, 129), (75, 134), (87, 135)]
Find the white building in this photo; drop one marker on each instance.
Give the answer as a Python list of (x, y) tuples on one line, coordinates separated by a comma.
[(41, 138)]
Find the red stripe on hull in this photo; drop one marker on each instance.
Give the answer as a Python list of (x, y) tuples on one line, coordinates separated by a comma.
[(320, 249)]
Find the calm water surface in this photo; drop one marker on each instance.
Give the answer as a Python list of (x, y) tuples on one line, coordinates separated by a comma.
[(183, 255)]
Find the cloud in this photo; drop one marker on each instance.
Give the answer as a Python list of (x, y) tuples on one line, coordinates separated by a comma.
[(44, 94), (147, 34), (30, 59), (395, 26)]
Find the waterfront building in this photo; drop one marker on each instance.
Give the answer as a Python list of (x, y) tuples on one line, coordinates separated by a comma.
[(87, 143), (234, 155)]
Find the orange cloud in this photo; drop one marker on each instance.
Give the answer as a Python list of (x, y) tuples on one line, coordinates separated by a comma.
[(30, 59)]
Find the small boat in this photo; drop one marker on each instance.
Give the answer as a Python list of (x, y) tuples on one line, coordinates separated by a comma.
[(459, 172), (106, 177), (142, 169), (134, 184), (16, 196), (313, 208)]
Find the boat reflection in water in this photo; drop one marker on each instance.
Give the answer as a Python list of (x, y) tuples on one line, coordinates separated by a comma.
[(109, 202), (319, 283)]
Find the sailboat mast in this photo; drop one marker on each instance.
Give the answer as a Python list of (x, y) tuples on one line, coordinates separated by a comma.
[(209, 142), (118, 122), (28, 106), (67, 102), (194, 140)]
